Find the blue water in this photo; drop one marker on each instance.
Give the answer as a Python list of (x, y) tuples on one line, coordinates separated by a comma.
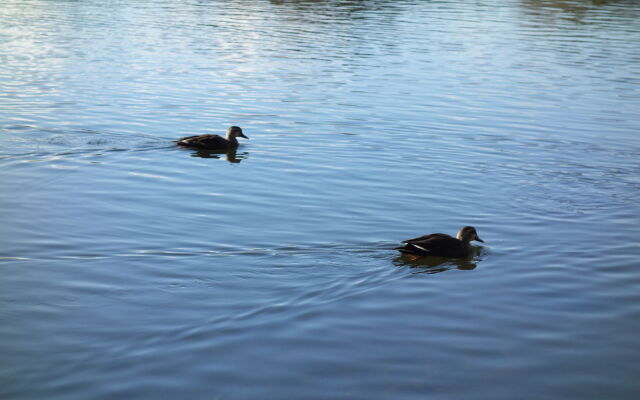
[(130, 268)]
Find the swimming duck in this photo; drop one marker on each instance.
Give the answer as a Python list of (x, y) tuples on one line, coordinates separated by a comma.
[(214, 142), (439, 244)]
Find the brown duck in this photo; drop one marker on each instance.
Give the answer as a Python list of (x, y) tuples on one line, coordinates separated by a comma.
[(214, 142), (441, 245)]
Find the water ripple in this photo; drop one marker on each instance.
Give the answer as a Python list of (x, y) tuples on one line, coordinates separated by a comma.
[(133, 268)]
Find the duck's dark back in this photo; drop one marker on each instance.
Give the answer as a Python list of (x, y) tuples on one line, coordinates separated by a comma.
[(205, 142)]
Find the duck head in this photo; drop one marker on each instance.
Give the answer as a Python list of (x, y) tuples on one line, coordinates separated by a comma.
[(234, 132), (468, 233)]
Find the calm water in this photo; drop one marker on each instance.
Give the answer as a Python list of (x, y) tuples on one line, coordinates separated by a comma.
[(132, 269)]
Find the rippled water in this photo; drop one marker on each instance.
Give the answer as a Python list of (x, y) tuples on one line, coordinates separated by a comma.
[(130, 268)]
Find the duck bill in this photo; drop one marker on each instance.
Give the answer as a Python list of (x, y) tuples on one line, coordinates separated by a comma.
[(242, 135), (479, 240)]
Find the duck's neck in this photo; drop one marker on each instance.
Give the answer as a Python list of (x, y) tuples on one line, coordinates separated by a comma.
[(232, 139), (465, 238)]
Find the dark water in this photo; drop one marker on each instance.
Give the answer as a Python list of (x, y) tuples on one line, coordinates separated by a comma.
[(133, 269)]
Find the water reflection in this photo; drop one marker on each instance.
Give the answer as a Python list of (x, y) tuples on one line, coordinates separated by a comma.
[(329, 7), (232, 155), (580, 10)]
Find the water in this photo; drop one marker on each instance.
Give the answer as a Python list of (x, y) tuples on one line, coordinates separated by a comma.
[(130, 268)]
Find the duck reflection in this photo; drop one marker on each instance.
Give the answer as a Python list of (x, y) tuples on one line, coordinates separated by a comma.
[(231, 155), (433, 265)]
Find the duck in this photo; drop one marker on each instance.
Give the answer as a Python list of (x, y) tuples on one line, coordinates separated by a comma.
[(214, 142), (442, 245)]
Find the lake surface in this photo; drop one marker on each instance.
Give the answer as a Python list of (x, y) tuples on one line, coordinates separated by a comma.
[(133, 269)]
